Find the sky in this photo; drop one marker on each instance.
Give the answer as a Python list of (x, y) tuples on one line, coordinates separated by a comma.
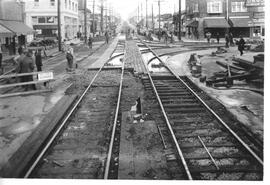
[(128, 8)]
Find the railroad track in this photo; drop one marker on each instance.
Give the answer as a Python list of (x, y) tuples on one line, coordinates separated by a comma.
[(198, 143), (86, 143)]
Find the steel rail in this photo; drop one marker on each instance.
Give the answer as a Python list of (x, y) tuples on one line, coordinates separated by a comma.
[(109, 155), (62, 124), (179, 151), (211, 110)]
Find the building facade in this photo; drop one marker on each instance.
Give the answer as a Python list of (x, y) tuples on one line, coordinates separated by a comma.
[(42, 16), (257, 23), (13, 31), (218, 16), (82, 10)]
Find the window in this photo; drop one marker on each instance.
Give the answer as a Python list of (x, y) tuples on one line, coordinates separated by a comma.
[(196, 7), (34, 20), (239, 7), (50, 20), (41, 20), (73, 6), (69, 5), (214, 7), (76, 8), (65, 4), (52, 2), (36, 3)]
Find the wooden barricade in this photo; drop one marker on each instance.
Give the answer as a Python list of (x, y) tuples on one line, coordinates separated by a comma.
[(38, 78)]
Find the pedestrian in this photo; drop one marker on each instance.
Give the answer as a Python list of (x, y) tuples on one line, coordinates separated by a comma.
[(189, 34), (1, 57), (231, 39), (172, 37), (241, 45), (69, 56), (107, 37), (208, 37), (90, 42), (38, 60), (18, 58), (26, 65), (218, 37), (165, 37), (227, 39)]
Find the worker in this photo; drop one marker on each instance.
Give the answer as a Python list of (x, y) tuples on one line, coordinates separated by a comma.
[(26, 65)]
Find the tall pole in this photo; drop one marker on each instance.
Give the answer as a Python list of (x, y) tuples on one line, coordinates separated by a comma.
[(59, 25), (138, 18), (85, 21), (141, 13), (101, 20), (94, 19), (159, 20), (146, 21), (106, 15), (153, 17), (180, 21)]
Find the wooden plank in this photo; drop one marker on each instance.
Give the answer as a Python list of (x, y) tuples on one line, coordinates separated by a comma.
[(23, 74), (20, 160), (24, 83), (25, 93)]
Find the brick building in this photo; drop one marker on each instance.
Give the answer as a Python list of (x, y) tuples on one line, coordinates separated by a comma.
[(218, 16)]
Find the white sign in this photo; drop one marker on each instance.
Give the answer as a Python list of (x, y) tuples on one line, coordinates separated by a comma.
[(45, 76)]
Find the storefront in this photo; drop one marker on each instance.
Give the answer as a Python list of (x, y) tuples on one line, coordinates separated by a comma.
[(216, 25), (14, 34), (240, 27)]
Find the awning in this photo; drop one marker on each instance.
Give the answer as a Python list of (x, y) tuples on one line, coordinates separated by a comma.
[(240, 22), (193, 24), (216, 23), (45, 26), (17, 27), (5, 32)]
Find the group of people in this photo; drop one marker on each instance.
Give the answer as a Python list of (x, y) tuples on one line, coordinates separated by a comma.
[(228, 41), (25, 63)]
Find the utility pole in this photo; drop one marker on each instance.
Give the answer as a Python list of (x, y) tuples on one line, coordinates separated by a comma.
[(106, 16), (153, 17), (94, 19), (142, 13), (101, 20), (146, 21), (180, 21), (85, 21), (59, 25), (159, 20), (138, 17)]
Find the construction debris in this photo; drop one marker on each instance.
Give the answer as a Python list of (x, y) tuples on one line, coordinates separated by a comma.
[(239, 70)]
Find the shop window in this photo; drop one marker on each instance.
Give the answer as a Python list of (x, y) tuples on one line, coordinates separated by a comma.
[(34, 20), (239, 7), (41, 20), (214, 7), (50, 20), (196, 7), (36, 3), (52, 2)]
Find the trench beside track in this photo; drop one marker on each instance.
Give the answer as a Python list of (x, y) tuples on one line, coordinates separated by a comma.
[(83, 144)]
